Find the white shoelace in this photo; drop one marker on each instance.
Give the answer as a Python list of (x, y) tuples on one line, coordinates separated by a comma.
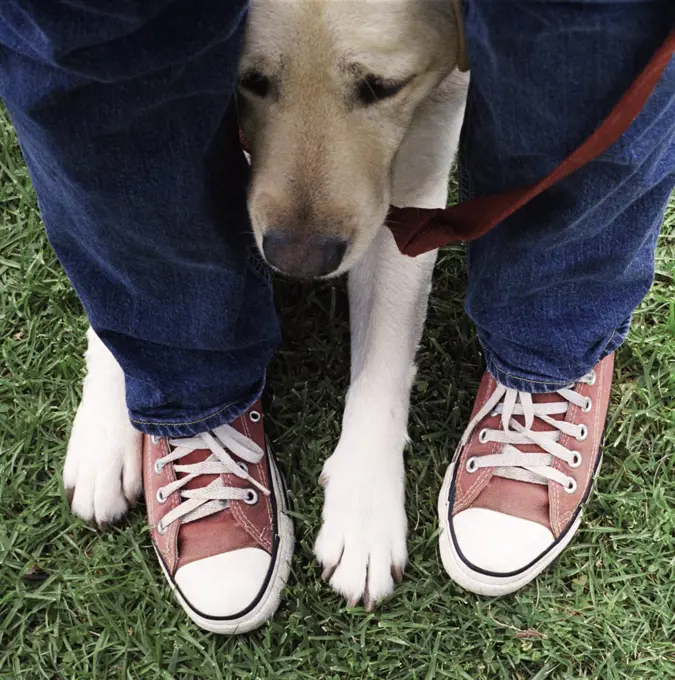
[(536, 468), (223, 442)]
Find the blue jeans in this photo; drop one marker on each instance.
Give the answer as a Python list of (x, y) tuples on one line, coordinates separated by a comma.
[(125, 117), (551, 289), (124, 113)]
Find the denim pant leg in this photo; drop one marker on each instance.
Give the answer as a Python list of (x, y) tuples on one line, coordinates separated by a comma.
[(125, 116), (551, 289)]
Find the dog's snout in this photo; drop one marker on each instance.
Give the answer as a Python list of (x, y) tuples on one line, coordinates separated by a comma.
[(303, 256)]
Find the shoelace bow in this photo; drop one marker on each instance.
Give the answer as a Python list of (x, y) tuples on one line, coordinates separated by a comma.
[(511, 462), (223, 442)]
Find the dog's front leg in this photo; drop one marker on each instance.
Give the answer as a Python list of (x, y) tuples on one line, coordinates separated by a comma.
[(362, 543), (102, 474)]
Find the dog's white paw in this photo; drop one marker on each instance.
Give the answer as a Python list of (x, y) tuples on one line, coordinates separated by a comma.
[(103, 470), (362, 542)]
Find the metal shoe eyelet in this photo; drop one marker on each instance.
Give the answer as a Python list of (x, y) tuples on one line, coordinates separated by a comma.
[(594, 377), (254, 416), (482, 436), (161, 498), (571, 486), (471, 465), (158, 467), (576, 460), (251, 497), (583, 433), (161, 529), (154, 439), (243, 466), (588, 405)]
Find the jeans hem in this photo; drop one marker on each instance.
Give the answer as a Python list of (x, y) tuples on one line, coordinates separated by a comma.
[(222, 416), (506, 377)]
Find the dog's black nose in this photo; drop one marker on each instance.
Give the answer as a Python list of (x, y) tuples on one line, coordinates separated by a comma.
[(303, 255)]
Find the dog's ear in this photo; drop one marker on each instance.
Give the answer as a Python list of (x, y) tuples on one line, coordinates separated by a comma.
[(462, 56), (422, 165)]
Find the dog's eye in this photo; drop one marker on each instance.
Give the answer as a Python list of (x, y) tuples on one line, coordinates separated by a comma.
[(374, 88), (255, 83)]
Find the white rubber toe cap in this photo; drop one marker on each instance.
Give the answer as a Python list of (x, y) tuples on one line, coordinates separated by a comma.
[(497, 542), (225, 584)]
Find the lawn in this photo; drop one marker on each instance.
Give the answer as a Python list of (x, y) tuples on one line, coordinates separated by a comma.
[(78, 604)]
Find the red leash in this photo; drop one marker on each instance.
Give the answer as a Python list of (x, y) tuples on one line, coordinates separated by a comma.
[(418, 230)]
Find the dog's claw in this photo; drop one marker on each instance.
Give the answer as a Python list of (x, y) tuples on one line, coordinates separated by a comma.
[(70, 492), (102, 526), (328, 572), (397, 574), (368, 602), (323, 480), (353, 602)]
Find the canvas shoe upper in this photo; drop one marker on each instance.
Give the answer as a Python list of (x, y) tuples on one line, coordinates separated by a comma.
[(216, 508), (513, 497)]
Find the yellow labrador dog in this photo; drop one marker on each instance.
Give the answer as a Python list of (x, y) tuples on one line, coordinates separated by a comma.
[(348, 106)]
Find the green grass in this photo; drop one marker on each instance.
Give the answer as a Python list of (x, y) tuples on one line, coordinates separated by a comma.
[(79, 604)]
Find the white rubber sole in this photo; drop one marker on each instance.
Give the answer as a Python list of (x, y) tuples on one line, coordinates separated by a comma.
[(483, 584), (271, 598)]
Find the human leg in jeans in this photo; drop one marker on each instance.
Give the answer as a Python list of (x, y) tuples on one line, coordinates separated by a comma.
[(551, 290), (124, 113)]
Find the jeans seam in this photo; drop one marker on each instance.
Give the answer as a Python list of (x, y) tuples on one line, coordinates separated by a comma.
[(258, 266), (466, 189), (608, 343), (466, 192)]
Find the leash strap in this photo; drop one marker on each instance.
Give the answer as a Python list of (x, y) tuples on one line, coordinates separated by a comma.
[(418, 230)]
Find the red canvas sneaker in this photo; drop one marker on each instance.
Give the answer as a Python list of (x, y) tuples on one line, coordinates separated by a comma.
[(514, 494), (216, 508)]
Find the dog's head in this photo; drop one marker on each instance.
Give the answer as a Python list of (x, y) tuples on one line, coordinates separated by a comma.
[(327, 90)]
